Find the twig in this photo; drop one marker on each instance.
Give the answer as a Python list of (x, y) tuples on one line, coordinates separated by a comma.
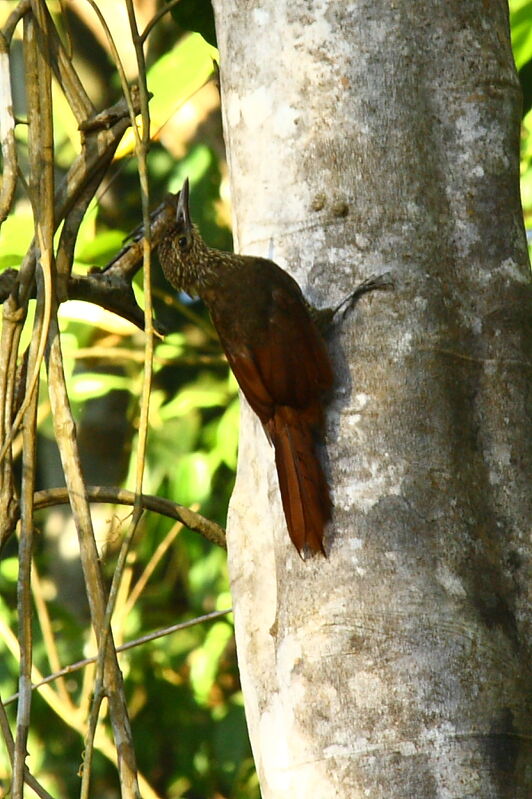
[(142, 143), (111, 290), (125, 749), (118, 354), (29, 779), (14, 18), (95, 157), (24, 605), (143, 639), (49, 641), (41, 183), (152, 564), (129, 259), (12, 322), (7, 134), (154, 20), (120, 496), (75, 720), (38, 97), (66, 438), (67, 77)]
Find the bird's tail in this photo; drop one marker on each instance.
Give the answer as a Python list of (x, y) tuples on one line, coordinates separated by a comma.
[(304, 490)]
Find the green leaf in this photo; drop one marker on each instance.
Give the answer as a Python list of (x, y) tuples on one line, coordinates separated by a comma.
[(194, 167), (100, 249), (205, 577), (203, 394), (171, 347), (15, 238), (88, 385), (227, 435), (178, 75), (204, 660), (9, 569), (192, 478), (176, 438), (173, 79), (521, 27)]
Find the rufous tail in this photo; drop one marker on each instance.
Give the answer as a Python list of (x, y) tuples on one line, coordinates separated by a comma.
[(304, 490)]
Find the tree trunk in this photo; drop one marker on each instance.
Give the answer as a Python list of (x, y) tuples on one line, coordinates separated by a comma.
[(364, 137)]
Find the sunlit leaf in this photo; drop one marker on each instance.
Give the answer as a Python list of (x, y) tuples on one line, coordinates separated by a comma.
[(204, 660), (203, 394), (69, 347), (526, 189), (91, 314), (173, 439), (173, 79), (192, 478), (520, 18), (15, 238), (227, 434), (9, 569), (101, 248), (223, 601), (88, 385), (193, 167), (205, 575), (171, 347)]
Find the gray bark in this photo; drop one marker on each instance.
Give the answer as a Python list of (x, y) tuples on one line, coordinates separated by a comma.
[(364, 137)]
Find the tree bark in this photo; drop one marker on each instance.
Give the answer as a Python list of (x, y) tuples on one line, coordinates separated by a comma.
[(364, 137)]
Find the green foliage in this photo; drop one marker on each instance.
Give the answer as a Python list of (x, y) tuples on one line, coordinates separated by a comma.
[(173, 78), (185, 688), (17, 232), (520, 18), (520, 22), (179, 74), (183, 691), (521, 27)]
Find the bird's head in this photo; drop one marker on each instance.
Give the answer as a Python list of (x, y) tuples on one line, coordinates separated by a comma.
[(183, 253), (184, 230)]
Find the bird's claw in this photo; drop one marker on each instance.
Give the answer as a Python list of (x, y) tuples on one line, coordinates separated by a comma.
[(382, 282)]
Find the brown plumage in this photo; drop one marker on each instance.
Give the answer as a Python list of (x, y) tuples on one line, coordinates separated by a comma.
[(276, 354)]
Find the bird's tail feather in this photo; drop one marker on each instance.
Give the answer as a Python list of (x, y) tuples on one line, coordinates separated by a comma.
[(304, 490)]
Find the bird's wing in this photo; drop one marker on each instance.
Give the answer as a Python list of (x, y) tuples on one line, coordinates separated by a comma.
[(246, 371), (289, 365), (293, 360)]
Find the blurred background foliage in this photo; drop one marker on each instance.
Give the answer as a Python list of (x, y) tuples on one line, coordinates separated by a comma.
[(183, 690), (521, 27)]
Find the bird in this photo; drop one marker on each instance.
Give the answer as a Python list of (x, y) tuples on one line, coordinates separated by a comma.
[(277, 354)]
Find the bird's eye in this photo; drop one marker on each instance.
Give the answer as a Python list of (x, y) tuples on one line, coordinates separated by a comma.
[(182, 241)]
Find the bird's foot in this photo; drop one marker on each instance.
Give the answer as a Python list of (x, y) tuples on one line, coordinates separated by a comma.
[(327, 316), (382, 282)]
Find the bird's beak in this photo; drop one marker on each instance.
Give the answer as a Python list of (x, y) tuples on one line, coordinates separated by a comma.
[(182, 214)]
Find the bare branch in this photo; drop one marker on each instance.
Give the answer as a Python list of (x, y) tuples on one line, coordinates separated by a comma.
[(7, 134), (94, 160), (143, 639), (66, 75), (120, 496), (38, 83), (14, 18), (12, 322), (29, 779), (151, 24)]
